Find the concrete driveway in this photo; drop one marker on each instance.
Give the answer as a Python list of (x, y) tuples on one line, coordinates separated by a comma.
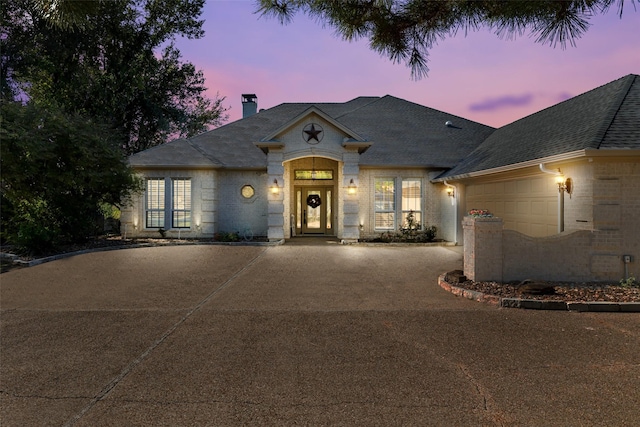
[(297, 335)]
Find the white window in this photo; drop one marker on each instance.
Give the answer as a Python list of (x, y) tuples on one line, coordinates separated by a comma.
[(155, 203), (181, 203), (385, 204), (175, 193), (412, 200)]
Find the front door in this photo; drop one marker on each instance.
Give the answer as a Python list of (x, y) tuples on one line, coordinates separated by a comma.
[(314, 210)]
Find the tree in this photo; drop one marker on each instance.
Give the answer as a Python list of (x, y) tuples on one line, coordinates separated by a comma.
[(67, 14), (57, 172), (118, 65), (405, 30)]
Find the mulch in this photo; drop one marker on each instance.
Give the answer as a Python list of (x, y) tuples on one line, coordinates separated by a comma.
[(550, 291)]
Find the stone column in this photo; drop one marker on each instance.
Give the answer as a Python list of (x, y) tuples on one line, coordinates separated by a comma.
[(351, 210), (483, 248), (275, 171)]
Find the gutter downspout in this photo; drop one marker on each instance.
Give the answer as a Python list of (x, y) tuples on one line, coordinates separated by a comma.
[(455, 211), (560, 197)]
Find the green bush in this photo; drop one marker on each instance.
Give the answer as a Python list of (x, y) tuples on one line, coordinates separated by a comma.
[(58, 173), (629, 282), (227, 237)]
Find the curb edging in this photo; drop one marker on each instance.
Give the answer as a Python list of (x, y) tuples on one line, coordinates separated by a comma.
[(534, 304), (38, 261)]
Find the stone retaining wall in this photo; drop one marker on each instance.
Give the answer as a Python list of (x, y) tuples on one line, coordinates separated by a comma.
[(493, 253)]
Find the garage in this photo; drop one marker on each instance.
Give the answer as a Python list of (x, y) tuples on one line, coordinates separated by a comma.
[(526, 204)]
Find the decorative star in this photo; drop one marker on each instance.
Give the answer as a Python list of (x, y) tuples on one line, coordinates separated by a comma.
[(313, 133)]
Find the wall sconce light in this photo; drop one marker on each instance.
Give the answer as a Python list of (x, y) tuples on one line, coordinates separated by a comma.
[(564, 184), (450, 192), (351, 189), (274, 187), (135, 224)]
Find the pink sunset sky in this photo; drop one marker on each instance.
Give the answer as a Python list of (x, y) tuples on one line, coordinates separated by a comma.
[(479, 77)]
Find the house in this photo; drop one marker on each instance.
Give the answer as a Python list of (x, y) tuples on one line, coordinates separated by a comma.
[(356, 169), (348, 170)]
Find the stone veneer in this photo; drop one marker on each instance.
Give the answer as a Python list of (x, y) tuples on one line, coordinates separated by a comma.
[(494, 254)]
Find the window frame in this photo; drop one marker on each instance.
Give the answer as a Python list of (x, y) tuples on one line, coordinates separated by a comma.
[(168, 205), (160, 200), (385, 200), (404, 211), (186, 205)]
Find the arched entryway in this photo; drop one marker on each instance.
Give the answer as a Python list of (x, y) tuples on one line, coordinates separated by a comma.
[(313, 197)]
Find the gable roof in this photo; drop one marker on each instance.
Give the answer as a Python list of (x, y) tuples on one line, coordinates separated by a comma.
[(403, 133), (306, 113), (605, 118)]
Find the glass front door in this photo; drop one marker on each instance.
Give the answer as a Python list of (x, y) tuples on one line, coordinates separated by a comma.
[(314, 210)]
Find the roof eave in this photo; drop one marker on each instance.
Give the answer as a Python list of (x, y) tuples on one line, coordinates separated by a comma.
[(515, 166), (361, 146), (170, 166), (269, 145)]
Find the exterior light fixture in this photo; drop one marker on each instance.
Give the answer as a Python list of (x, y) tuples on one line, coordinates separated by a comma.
[(451, 192), (564, 184), (351, 189), (274, 187)]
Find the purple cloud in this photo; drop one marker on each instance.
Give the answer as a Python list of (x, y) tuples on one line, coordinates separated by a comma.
[(502, 102)]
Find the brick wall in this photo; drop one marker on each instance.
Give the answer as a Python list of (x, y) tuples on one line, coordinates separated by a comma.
[(493, 253)]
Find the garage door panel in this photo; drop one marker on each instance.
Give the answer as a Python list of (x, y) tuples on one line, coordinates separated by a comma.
[(525, 205), (538, 207)]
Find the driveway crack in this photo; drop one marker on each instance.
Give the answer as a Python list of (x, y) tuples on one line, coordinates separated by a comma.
[(488, 405), (137, 361)]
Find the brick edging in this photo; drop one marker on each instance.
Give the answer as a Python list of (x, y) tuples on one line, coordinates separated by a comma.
[(580, 306)]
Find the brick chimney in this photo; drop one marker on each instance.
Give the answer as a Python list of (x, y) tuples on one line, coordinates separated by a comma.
[(249, 104)]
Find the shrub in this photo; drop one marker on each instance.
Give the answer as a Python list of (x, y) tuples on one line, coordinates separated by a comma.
[(629, 282), (227, 237)]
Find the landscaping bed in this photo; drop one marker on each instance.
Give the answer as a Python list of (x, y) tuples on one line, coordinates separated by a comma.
[(550, 291)]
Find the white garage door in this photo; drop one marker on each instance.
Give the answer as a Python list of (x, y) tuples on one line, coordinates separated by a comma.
[(527, 205)]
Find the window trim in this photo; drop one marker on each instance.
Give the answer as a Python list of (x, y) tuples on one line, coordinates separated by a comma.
[(187, 200), (169, 204), (404, 212), (149, 210), (385, 211)]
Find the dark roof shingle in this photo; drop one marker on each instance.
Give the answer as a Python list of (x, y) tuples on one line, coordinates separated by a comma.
[(606, 117), (403, 133)]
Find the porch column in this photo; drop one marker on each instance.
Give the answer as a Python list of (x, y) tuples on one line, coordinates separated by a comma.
[(275, 172), (350, 214)]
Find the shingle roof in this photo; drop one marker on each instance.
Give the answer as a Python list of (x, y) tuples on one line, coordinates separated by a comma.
[(178, 153), (607, 117), (408, 134), (404, 134)]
